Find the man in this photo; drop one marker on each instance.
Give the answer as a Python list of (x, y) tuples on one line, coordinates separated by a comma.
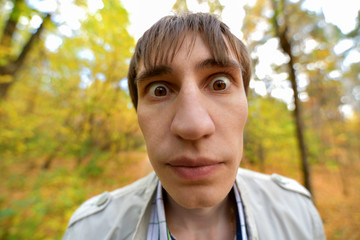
[(188, 80)]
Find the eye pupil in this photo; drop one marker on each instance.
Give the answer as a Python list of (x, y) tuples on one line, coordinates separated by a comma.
[(219, 85), (160, 91)]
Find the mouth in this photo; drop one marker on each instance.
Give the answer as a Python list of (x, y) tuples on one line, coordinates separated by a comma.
[(194, 169)]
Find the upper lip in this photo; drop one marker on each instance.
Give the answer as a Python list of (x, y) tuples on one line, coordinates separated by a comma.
[(192, 162)]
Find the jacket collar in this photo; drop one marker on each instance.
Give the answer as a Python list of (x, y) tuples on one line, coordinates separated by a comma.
[(245, 197), (142, 226)]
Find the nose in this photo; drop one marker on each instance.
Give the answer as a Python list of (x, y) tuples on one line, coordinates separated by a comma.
[(192, 120)]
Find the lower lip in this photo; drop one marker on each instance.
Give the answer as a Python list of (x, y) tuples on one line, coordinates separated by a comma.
[(195, 173)]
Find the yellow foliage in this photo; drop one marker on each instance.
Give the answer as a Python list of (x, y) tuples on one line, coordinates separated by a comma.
[(5, 78), (66, 123)]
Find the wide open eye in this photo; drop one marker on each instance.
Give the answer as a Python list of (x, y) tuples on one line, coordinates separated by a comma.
[(220, 83), (158, 90)]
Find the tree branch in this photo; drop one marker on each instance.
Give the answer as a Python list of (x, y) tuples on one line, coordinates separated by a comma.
[(13, 66), (10, 25), (20, 60)]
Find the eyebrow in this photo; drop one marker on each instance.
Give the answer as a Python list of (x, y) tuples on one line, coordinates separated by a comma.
[(211, 62), (207, 63), (153, 72)]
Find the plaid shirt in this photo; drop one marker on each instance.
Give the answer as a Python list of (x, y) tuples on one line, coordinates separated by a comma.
[(158, 229)]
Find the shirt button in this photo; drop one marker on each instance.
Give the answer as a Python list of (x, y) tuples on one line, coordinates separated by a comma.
[(279, 179), (103, 199)]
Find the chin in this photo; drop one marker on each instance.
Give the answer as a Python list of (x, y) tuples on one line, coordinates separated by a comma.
[(199, 198)]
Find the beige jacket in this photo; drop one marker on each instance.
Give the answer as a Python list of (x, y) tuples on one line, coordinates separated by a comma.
[(275, 208)]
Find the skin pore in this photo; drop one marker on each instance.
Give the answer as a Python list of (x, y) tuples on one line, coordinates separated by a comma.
[(192, 112)]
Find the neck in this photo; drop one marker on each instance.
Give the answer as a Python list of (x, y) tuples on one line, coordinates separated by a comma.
[(217, 222)]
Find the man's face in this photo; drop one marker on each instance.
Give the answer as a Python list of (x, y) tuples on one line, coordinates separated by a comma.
[(192, 112)]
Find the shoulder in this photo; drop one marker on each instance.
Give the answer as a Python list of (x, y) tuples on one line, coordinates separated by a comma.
[(133, 194), (274, 198), (273, 181)]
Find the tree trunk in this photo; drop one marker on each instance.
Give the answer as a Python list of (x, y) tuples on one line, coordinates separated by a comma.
[(286, 46), (49, 158), (261, 156), (300, 129), (4, 87)]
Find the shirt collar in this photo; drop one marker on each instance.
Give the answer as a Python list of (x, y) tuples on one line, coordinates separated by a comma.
[(158, 228)]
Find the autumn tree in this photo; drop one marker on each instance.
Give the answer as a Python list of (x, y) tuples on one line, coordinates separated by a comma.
[(14, 50), (68, 97), (307, 42), (67, 116), (268, 134), (215, 6)]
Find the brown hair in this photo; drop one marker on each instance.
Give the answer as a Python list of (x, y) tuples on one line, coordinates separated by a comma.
[(162, 41)]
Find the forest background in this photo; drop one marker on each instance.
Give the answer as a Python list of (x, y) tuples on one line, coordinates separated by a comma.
[(68, 130)]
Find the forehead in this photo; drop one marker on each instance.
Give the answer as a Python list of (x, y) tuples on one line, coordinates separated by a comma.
[(189, 45), (193, 54)]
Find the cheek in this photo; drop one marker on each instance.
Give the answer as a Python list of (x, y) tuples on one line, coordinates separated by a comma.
[(242, 112), (233, 122), (146, 122), (154, 128), (142, 119), (234, 117)]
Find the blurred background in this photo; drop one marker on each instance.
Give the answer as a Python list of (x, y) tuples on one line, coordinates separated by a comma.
[(68, 130)]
